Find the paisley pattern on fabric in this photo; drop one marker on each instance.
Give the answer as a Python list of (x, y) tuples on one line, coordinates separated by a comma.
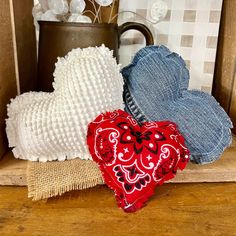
[(135, 159)]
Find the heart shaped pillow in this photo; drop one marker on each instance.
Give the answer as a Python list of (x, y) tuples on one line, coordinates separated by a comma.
[(156, 88), (135, 159), (53, 126)]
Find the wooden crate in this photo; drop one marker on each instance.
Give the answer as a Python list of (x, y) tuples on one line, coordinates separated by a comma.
[(224, 87), (7, 69), (18, 59), (13, 171), (18, 67)]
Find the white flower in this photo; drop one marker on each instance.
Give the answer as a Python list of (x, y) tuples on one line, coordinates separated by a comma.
[(79, 18), (158, 10), (37, 9), (77, 6), (37, 13), (104, 3), (44, 5), (58, 6), (49, 16)]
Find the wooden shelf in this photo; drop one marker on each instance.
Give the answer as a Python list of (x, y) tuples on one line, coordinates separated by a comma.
[(13, 171)]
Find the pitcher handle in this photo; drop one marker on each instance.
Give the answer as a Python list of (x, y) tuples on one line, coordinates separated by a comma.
[(137, 26)]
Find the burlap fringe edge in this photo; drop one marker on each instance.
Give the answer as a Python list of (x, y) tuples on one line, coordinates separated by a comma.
[(58, 190)]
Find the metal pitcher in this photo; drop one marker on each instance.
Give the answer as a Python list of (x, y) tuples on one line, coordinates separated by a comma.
[(56, 39)]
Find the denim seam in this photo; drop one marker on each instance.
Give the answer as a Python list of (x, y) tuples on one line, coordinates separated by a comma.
[(136, 111), (222, 135), (216, 157)]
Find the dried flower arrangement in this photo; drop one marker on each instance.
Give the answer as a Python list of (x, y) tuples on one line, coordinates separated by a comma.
[(84, 11), (95, 11)]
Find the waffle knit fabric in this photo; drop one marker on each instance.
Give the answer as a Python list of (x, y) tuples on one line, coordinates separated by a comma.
[(53, 126), (156, 88)]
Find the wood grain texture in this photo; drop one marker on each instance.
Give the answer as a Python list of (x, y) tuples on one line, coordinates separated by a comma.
[(226, 60), (185, 209), (7, 69), (232, 108), (25, 44), (13, 172)]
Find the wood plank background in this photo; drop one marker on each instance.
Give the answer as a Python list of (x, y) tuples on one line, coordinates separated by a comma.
[(7, 69), (25, 44), (232, 108), (17, 55), (224, 86)]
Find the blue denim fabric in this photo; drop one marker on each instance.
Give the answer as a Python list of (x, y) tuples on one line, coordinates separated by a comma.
[(155, 89)]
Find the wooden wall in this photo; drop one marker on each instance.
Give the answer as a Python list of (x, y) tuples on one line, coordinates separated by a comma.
[(224, 87), (17, 55), (7, 68), (25, 44)]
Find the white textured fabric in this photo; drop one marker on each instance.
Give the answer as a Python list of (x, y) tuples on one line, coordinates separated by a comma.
[(53, 126)]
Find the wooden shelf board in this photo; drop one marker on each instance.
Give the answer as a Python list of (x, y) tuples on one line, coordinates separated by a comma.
[(13, 171)]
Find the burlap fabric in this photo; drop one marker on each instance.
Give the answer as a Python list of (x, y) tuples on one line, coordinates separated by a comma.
[(51, 179)]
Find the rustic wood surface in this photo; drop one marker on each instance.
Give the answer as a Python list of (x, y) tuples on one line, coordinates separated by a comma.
[(24, 51), (13, 171), (232, 108), (224, 78), (175, 209), (25, 44), (7, 69)]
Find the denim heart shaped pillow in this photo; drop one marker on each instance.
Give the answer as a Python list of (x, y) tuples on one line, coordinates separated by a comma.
[(156, 88)]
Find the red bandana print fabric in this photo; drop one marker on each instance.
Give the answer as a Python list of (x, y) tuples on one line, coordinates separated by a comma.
[(135, 159)]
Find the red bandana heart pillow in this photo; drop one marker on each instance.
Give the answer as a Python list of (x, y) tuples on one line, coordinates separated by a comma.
[(135, 159)]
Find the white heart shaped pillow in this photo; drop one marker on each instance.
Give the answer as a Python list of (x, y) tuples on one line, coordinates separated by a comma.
[(53, 126)]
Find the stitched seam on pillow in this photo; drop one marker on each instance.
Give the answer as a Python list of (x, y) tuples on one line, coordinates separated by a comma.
[(130, 101)]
